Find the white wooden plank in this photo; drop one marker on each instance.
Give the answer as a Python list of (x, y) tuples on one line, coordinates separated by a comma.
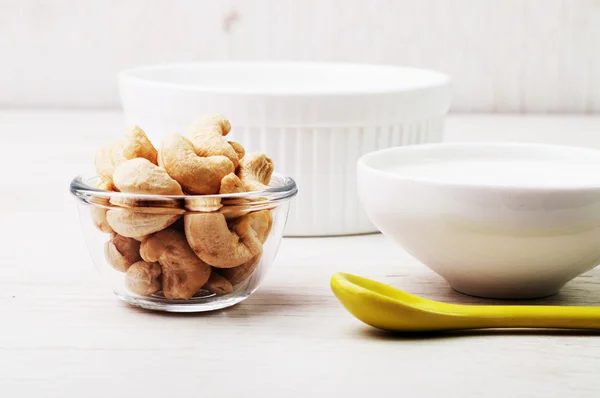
[(504, 55)]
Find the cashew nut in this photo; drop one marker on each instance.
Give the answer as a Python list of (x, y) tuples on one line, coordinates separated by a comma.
[(265, 226), (135, 144), (141, 176), (151, 242), (231, 184), (233, 207), (134, 224), (242, 272), (204, 205), (217, 284), (98, 215), (255, 171), (196, 174), (207, 205), (207, 137), (143, 278), (211, 239), (183, 273), (105, 185), (238, 148), (239, 274), (121, 252)]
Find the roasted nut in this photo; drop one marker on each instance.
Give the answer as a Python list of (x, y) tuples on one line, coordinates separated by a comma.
[(204, 205), (105, 185), (255, 171), (215, 248), (149, 206), (121, 252), (135, 144), (233, 207), (264, 228), (242, 272), (143, 278), (231, 184), (196, 174), (207, 137), (98, 215), (239, 274), (209, 236), (141, 176), (217, 284), (183, 273), (238, 148), (134, 224), (207, 205)]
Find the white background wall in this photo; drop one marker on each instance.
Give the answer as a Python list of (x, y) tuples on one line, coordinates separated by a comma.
[(504, 55)]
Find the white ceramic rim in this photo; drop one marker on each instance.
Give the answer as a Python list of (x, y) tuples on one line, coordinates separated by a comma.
[(431, 78), (365, 162)]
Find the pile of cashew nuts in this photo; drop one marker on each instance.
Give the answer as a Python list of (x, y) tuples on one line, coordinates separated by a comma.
[(206, 245)]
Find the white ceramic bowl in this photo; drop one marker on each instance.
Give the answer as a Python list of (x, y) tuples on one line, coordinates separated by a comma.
[(495, 220), (314, 119)]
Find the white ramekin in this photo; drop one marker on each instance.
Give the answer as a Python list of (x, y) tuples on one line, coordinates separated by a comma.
[(313, 119)]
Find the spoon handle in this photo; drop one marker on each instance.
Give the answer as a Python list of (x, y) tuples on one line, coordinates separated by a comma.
[(513, 316)]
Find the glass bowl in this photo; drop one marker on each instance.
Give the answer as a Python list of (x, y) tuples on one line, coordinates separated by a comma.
[(154, 251)]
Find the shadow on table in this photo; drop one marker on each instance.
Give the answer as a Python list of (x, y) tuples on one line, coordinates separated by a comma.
[(377, 334), (262, 302)]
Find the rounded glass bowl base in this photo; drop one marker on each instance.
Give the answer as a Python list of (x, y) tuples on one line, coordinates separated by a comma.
[(196, 304)]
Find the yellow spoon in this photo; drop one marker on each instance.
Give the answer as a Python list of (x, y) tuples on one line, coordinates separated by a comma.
[(387, 308)]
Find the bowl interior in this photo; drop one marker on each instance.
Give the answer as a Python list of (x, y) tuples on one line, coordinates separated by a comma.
[(495, 164), (287, 77)]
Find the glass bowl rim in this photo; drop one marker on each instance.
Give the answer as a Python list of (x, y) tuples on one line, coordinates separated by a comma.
[(284, 189)]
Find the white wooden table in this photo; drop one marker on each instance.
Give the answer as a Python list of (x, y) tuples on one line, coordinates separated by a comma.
[(63, 333)]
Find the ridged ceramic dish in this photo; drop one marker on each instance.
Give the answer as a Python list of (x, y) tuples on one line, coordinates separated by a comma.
[(314, 119)]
